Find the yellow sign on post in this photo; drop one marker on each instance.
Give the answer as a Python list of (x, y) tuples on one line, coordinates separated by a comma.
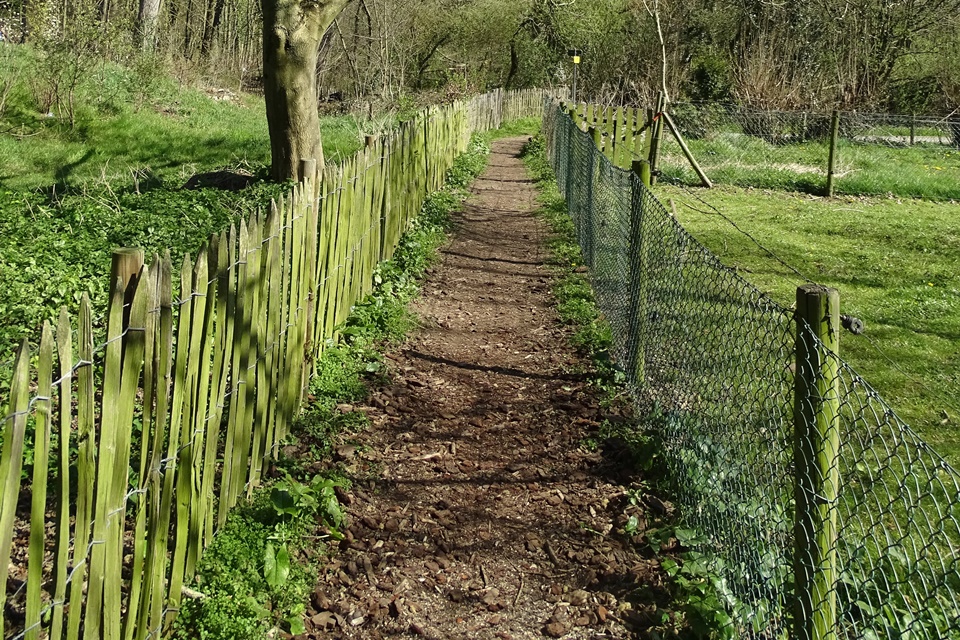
[(575, 55)]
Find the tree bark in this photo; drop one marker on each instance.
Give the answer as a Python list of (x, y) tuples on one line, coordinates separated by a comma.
[(292, 30), (425, 59), (147, 19)]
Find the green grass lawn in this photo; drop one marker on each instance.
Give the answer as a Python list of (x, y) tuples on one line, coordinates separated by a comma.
[(927, 170), (69, 195), (896, 263), (164, 143)]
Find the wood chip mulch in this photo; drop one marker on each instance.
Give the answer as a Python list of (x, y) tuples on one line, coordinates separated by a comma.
[(477, 510)]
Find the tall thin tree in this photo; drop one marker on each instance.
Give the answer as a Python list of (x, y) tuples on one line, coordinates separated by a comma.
[(148, 17)]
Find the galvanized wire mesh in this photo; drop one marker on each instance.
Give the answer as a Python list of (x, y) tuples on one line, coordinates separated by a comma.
[(899, 524), (712, 363), (876, 154)]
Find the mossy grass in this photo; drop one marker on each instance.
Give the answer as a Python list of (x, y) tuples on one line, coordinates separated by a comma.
[(896, 263)]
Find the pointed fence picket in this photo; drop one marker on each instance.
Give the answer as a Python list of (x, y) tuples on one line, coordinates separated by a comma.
[(142, 445)]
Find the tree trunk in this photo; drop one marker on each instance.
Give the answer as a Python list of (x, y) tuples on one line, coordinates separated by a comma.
[(514, 64), (214, 18), (425, 60), (187, 36), (292, 30), (147, 19)]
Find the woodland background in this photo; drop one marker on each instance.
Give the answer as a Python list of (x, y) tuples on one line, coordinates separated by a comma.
[(879, 55)]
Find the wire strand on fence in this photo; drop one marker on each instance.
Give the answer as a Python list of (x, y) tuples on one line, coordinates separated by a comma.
[(740, 230)]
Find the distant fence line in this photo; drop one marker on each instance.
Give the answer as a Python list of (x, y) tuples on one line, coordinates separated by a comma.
[(142, 444), (871, 153), (824, 514)]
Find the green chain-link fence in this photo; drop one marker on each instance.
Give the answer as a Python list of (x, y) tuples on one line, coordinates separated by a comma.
[(745, 425), (876, 154)]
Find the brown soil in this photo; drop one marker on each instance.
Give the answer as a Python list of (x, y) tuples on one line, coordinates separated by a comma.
[(478, 512)]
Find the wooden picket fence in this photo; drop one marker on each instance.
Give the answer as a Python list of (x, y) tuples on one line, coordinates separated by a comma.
[(620, 133), (144, 443), (490, 110)]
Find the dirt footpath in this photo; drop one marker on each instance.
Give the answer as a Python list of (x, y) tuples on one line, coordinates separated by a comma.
[(477, 512)]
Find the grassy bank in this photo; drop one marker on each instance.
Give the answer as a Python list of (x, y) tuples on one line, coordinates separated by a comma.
[(73, 186), (896, 264)]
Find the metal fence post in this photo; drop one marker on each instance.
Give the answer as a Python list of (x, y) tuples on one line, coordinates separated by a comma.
[(816, 448)]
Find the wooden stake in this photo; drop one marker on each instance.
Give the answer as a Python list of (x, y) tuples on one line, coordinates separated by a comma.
[(656, 135), (125, 269), (11, 461), (38, 501), (638, 278), (704, 180), (831, 159)]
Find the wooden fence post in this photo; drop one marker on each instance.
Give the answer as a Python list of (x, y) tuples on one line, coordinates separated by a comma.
[(594, 134), (587, 226), (656, 135), (832, 157), (616, 130), (642, 169), (638, 276), (11, 461), (125, 268), (647, 143), (816, 448), (609, 132)]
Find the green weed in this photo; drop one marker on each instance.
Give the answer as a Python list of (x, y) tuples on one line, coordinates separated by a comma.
[(72, 192), (699, 585), (239, 578)]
